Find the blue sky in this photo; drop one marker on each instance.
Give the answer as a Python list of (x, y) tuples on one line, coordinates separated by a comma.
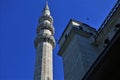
[(18, 22)]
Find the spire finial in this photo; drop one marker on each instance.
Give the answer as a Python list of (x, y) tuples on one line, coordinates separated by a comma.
[(46, 10), (46, 5), (47, 2)]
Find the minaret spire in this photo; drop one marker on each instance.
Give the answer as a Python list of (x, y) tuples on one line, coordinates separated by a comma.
[(44, 44), (47, 7), (46, 10)]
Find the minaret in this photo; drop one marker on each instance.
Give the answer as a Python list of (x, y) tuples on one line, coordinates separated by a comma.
[(44, 44)]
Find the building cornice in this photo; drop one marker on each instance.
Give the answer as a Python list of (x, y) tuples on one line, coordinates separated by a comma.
[(72, 20), (71, 34)]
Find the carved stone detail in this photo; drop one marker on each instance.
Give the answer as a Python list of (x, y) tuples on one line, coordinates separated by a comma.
[(44, 38), (45, 26), (46, 17)]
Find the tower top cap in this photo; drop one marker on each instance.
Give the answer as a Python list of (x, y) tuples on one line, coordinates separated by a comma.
[(46, 10), (46, 6)]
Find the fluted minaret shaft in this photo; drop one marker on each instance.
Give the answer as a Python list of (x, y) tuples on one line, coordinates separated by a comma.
[(44, 44)]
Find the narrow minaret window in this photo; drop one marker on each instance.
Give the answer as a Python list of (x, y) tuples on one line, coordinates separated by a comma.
[(44, 44)]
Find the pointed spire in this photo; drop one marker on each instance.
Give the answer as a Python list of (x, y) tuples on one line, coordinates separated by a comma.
[(46, 6), (46, 10)]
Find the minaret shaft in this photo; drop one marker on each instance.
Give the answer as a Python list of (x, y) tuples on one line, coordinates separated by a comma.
[(44, 44), (44, 68), (47, 62)]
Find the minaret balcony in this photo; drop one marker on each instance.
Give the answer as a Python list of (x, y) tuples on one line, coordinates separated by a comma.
[(44, 38), (46, 17), (45, 26)]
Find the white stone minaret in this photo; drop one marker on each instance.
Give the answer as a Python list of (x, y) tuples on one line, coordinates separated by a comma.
[(44, 44)]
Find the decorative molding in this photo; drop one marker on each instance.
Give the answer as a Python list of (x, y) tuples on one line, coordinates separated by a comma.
[(46, 17), (44, 38), (45, 26)]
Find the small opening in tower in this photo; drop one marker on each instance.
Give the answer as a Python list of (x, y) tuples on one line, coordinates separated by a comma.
[(106, 41), (81, 28), (48, 78), (66, 36), (117, 25)]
